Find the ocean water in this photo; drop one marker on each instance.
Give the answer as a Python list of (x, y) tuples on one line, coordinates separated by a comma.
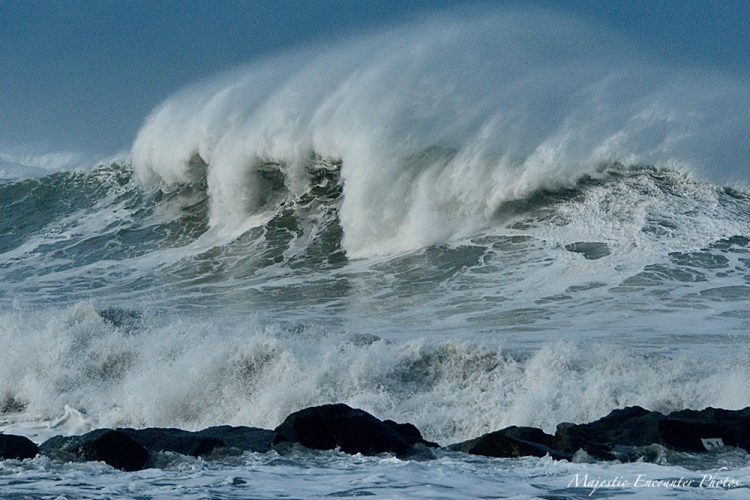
[(541, 231)]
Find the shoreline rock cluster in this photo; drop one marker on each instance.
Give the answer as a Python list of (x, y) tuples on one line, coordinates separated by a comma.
[(621, 435)]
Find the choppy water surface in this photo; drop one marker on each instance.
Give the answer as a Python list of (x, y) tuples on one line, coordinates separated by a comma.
[(462, 259)]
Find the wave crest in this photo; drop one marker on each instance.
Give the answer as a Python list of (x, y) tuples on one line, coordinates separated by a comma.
[(522, 100)]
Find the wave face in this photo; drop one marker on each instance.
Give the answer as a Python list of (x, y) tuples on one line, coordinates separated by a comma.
[(438, 124)]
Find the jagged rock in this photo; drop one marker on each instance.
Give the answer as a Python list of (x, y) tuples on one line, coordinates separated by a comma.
[(351, 430), (623, 434), (571, 438), (683, 430), (631, 426), (512, 442), (110, 446), (17, 447), (636, 427)]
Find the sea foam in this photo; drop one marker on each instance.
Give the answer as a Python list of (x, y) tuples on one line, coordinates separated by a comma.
[(439, 123), (193, 373)]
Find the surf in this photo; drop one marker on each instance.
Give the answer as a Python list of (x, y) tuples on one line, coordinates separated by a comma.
[(436, 125)]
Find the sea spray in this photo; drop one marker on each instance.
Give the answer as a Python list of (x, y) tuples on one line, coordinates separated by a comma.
[(193, 373), (438, 124)]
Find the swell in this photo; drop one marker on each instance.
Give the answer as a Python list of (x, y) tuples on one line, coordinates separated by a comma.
[(30, 205), (86, 231), (71, 235), (437, 125)]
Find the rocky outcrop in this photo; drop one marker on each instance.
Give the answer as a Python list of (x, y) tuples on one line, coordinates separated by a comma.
[(686, 430), (512, 442), (632, 426), (110, 446), (174, 440), (134, 449), (202, 443), (620, 434), (410, 433), (240, 438), (350, 430), (16, 447), (624, 434)]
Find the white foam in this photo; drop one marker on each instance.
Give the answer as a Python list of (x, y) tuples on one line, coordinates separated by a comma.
[(522, 108), (193, 373), (333, 474)]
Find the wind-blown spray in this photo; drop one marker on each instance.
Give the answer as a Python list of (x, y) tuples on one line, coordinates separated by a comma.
[(438, 124)]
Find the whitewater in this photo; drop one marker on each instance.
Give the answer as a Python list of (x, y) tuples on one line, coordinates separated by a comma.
[(465, 223)]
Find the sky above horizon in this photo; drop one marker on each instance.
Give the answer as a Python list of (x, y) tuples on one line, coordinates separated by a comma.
[(82, 76)]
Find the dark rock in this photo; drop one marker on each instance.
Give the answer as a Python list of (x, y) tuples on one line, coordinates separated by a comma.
[(627, 434), (241, 438), (351, 430), (410, 433), (16, 447), (683, 430), (202, 443), (110, 446), (631, 426), (571, 437), (637, 427), (174, 440), (512, 442)]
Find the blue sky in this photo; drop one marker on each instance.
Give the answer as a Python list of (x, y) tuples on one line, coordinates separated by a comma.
[(83, 75)]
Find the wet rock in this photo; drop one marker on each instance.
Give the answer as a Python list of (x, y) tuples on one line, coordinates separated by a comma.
[(624, 434), (630, 433), (349, 429), (16, 447), (174, 440), (410, 433), (572, 438), (202, 443), (112, 447), (685, 430), (240, 438), (512, 442), (634, 427), (631, 426)]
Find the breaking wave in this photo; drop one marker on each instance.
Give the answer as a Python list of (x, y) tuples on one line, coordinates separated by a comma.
[(124, 369), (465, 224), (437, 125)]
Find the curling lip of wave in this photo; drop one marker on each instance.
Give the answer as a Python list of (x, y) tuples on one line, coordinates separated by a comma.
[(522, 108)]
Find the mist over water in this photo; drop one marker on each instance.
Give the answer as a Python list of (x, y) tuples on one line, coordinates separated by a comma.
[(438, 124), (192, 373)]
